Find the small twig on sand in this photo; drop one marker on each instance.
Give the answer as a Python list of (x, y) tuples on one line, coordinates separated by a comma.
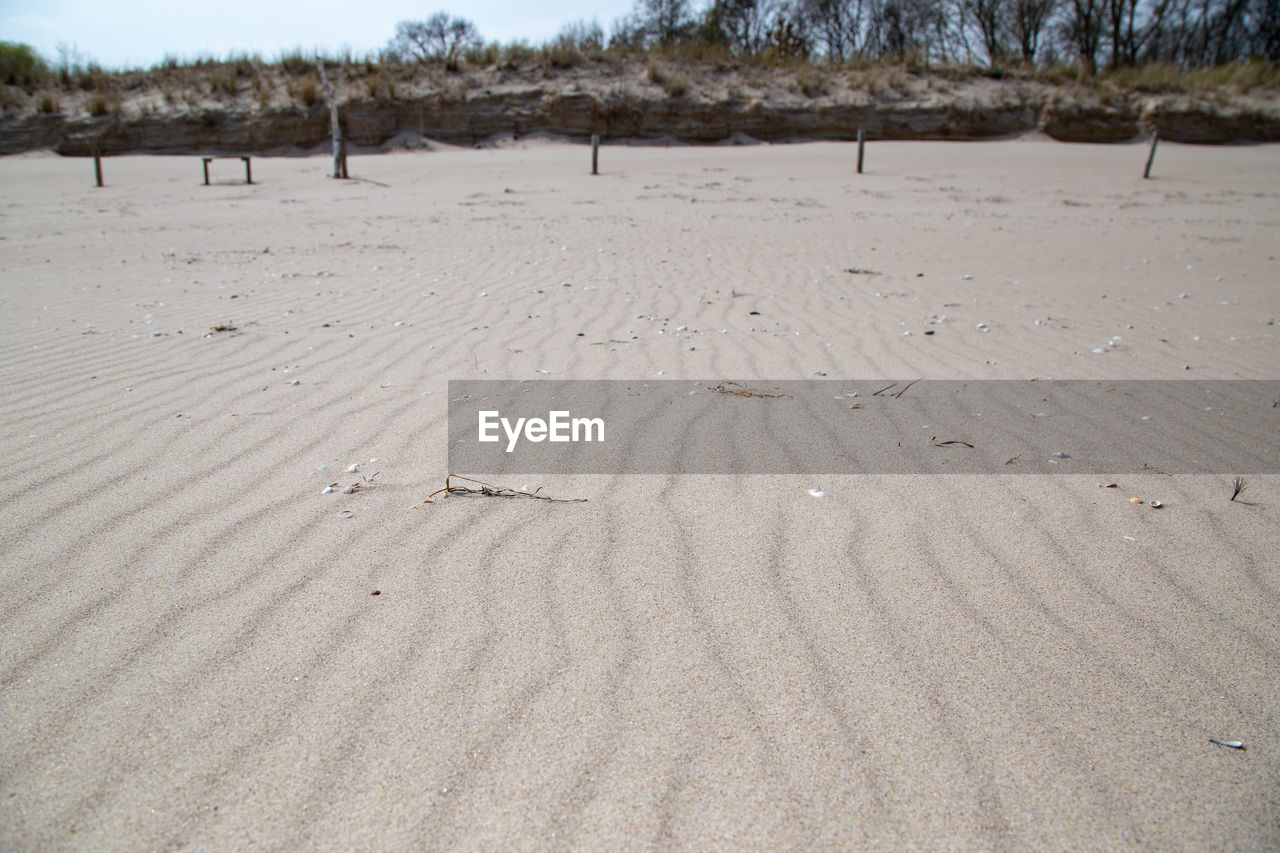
[(489, 491), (741, 391), (1238, 486), (954, 442)]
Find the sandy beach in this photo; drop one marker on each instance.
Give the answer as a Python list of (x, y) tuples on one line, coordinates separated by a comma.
[(191, 654)]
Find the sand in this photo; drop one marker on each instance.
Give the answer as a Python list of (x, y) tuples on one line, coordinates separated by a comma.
[(191, 654)]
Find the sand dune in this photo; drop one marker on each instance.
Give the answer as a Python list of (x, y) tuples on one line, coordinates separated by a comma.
[(191, 654)]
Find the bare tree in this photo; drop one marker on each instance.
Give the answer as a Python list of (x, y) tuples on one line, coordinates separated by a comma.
[(1028, 20), (663, 22), (439, 37), (1082, 29), (836, 26), (744, 25), (991, 17)]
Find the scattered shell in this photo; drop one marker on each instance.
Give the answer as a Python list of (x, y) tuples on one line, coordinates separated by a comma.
[(1110, 486), (1135, 500), (540, 370), (817, 493), (1061, 455), (296, 382), (376, 592), (1157, 504), (346, 513), (351, 469), (328, 490), (349, 490), (1231, 744)]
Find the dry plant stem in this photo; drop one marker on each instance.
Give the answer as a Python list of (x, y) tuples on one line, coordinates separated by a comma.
[(740, 391), (1238, 486), (490, 491)]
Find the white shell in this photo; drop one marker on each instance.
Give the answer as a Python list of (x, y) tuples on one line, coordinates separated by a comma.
[(328, 490), (351, 469), (817, 493), (1157, 504), (349, 490)]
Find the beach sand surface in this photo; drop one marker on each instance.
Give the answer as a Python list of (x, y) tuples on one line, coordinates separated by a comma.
[(190, 653)]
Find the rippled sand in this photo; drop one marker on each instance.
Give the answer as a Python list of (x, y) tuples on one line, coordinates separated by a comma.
[(190, 652)]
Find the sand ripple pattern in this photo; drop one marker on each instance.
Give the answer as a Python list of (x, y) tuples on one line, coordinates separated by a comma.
[(191, 654)]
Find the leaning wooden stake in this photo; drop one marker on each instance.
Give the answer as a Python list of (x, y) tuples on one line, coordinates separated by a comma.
[(1151, 158), (339, 149), (862, 144), (595, 153), (97, 167)]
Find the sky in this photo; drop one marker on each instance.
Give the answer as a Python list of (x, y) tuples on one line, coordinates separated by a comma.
[(140, 33)]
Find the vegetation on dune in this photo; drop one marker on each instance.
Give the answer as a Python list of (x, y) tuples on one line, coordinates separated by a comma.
[(1156, 46)]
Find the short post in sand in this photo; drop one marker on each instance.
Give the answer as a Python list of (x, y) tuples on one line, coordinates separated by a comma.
[(97, 166), (862, 144), (1151, 157), (339, 145), (595, 153)]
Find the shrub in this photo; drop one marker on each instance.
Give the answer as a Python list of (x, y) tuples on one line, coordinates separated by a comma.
[(97, 105), (308, 93), (20, 65), (48, 102)]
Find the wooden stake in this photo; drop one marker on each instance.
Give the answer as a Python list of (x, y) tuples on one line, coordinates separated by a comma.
[(97, 167), (1151, 158), (339, 155), (595, 153), (862, 144)]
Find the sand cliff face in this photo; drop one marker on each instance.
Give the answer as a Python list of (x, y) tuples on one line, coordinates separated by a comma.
[(981, 110)]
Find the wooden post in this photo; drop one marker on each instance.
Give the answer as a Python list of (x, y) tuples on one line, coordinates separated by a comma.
[(862, 144), (595, 153), (97, 166), (205, 161), (248, 175), (344, 158), (1151, 158), (339, 152)]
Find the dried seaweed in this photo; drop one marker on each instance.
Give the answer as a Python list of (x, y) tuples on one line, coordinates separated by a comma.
[(491, 491), (954, 442), (742, 391), (1237, 486), (893, 385)]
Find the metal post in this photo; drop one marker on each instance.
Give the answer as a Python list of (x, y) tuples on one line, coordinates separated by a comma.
[(1155, 137), (595, 153), (97, 167), (205, 162), (248, 174), (862, 144)]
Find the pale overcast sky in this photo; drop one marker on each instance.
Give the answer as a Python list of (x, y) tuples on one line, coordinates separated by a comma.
[(139, 33)]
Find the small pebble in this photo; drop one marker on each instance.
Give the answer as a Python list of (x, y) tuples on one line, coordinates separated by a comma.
[(376, 592), (328, 490), (351, 469), (349, 490), (928, 331), (296, 382), (1135, 500)]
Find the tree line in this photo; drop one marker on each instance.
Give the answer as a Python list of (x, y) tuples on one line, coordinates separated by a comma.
[(1097, 34)]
